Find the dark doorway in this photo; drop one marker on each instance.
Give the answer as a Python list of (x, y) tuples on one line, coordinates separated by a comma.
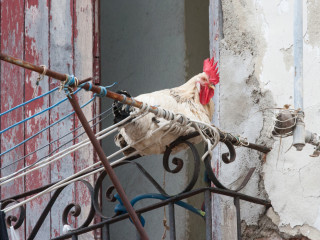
[(148, 46)]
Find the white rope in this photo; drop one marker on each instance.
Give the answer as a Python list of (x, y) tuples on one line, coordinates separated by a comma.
[(106, 132), (71, 149), (67, 181), (56, 156), (173, 127), (70, 179), (40, 77), (211, 144), (59, 153)]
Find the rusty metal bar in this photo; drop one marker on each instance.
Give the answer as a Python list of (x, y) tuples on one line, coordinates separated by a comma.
[(36, 68), (207, 202), (86, 126), (74, 237), (172, 222), (107, 166), (106, 232), (117, 97), (137, 233), (166, 202), (138, 104), (237, 205), (235, 141)]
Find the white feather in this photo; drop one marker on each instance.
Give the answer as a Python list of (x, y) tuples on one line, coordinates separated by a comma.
[(183, 99)]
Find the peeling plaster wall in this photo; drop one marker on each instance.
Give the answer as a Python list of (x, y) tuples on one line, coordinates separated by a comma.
[(256, 68)]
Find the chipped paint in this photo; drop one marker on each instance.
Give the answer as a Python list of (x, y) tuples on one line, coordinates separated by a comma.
[(25, 34), (258, 39), (313, 22), (83, 66), (36, 51), (12, 35), (61, 58)]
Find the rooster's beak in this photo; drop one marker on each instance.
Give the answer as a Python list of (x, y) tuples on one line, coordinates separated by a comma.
[(211, 86)]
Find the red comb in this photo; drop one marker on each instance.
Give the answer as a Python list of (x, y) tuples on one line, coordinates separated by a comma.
[(211, 70)]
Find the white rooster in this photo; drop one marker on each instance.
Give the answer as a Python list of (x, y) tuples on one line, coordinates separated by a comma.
[(192, 99)]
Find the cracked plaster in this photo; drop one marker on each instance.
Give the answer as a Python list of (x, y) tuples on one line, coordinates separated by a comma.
[(256, 68)]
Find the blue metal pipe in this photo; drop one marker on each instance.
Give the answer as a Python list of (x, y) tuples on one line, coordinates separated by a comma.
[(298, 55), (299, 131)]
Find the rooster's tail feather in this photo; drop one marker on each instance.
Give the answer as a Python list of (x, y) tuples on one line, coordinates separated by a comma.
[(120, 110)]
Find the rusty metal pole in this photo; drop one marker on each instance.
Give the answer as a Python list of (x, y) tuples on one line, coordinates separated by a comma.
[(115, 96), (108, 168), (36, 68), (90, 133)]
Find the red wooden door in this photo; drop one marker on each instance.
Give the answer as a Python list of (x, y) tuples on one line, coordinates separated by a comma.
[(62, 35)]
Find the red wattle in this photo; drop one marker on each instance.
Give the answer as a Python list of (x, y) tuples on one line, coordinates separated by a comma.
[(206, 93)]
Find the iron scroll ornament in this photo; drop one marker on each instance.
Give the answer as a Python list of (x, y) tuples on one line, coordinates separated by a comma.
[(179, 162), (66, 211), (18, 221), (227, 160), (175, 161), (110, 196), (74, 209)]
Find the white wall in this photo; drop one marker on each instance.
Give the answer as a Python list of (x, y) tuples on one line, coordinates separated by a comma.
[(256, 66)]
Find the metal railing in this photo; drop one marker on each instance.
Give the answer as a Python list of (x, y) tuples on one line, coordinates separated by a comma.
[(106, 222), (75, 209)]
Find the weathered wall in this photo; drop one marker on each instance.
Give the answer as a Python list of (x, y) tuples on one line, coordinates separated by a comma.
[(256, 67), (58, 34)]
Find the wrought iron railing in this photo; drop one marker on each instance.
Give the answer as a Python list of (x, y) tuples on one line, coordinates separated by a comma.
[(165, 199), (69, 83)]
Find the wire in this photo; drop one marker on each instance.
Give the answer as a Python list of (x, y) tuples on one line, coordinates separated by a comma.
[(102, 134), (71, 178), (22, 158), (42, 130), (39, 160), (26, 119), (77, 135), (64, 152), (31, 100), (105, 133)]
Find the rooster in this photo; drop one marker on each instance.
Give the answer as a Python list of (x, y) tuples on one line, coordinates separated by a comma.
[(192, 99)]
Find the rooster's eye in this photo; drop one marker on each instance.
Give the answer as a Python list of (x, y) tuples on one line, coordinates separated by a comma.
[(203, 79)]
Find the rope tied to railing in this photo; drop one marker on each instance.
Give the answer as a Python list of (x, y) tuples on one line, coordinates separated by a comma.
[(40, 77), (178, 124), (69, 84), (103, 92), (90, 86), (74, 83)]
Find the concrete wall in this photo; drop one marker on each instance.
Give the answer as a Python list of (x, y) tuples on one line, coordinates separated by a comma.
[(148, 46), (256, 67)]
